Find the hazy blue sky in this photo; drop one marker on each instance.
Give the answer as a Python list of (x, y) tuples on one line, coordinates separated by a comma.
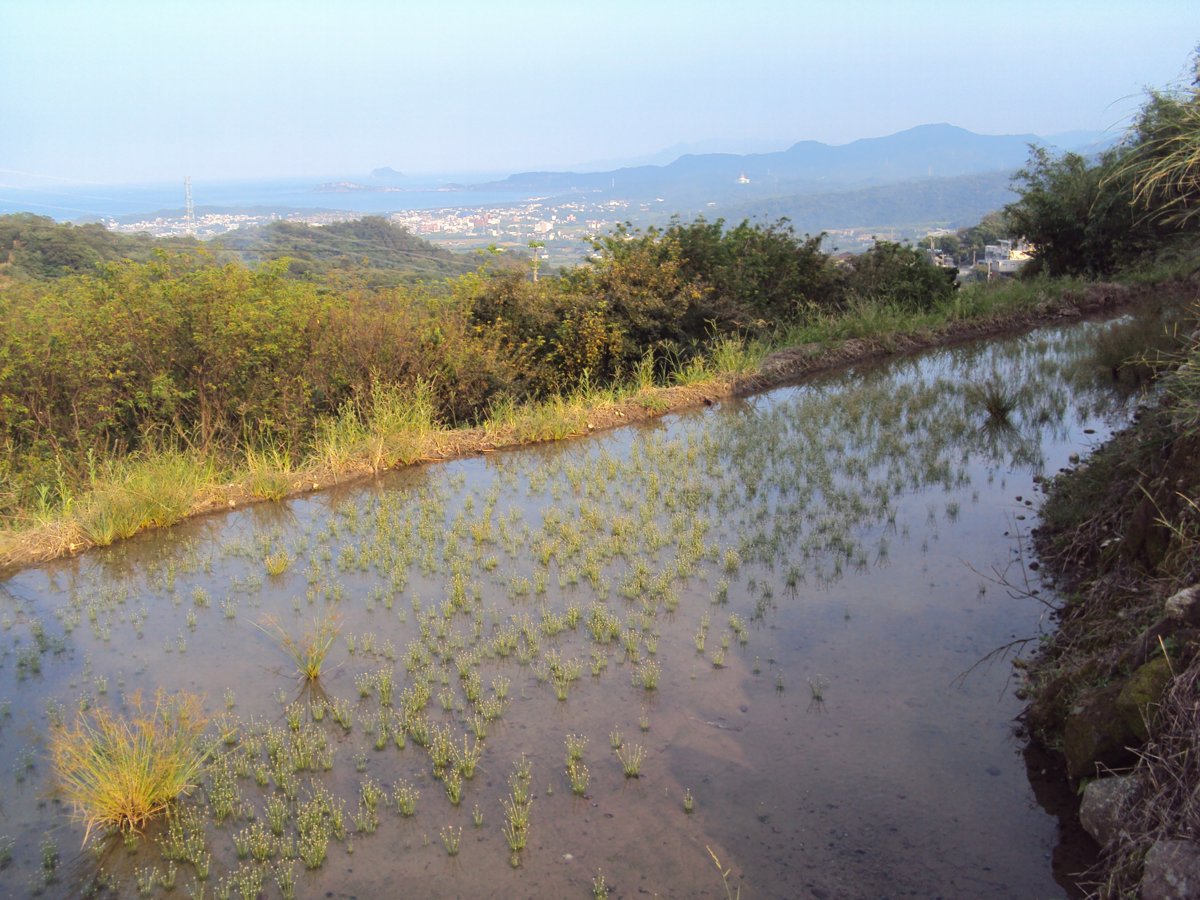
[(124, 91)]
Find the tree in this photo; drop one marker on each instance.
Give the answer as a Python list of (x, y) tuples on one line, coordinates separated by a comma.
[(900, 275), (1164, 162), (1093, 217)]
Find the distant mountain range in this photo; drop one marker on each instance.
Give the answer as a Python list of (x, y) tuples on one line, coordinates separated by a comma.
[(931, 172)]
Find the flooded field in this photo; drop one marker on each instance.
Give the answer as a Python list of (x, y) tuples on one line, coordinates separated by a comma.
[(755, 633)]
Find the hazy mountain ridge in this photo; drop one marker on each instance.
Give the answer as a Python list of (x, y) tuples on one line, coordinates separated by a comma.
[(926, 151)]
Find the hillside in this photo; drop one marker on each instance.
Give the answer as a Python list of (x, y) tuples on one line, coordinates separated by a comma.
[(381, 252), (36, 247)]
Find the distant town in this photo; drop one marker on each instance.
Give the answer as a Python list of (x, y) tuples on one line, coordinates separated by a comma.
[(561, 230)]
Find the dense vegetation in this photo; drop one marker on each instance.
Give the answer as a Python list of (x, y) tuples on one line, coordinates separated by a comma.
[(1136, 201), (186, 350), (38, 247)]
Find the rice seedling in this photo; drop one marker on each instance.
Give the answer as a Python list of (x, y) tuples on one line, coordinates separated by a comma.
[(630, 757), (468, 757), (405, 796), (309, 651), (451, 837), (577, 773), (385, 684), (599, 888), (817, 686), (500, 686), (575, 745), (342, 713), (50, 860), (452, 781), (285, 878), (277, 814), (688, 801), (294, 716), (146, 880), (365, 683), (319, 819), (477, 816)]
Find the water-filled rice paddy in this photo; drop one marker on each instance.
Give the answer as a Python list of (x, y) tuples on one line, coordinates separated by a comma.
[(748, 633)]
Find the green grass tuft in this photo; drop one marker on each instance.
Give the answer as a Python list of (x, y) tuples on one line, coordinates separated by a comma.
[(120, 773)]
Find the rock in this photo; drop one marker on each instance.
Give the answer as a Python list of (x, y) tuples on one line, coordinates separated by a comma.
[(1171, 871), (1184, 605), (1104, 802), (1096, 734), (1139, 698)]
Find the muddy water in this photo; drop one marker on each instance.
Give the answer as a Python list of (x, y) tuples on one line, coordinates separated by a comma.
[(808, 580)]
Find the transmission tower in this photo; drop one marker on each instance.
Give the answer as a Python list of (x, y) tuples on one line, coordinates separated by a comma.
[(189, 215)]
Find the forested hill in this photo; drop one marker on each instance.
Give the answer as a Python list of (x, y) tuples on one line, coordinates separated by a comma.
[(37, 247), (384, 253)]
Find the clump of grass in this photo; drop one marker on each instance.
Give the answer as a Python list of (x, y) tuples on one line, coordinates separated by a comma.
[(269, 472), (151, 489), (997, 399), (121, 772), (277, 562), (310, 650), (400, 421)]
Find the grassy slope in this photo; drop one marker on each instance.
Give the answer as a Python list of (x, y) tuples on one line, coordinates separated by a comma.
[(1121, 534)]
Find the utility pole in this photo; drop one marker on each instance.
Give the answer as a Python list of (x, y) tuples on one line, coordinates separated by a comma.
[(189, 212)]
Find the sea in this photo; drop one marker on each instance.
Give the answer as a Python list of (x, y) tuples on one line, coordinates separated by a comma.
[(66, 202)]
